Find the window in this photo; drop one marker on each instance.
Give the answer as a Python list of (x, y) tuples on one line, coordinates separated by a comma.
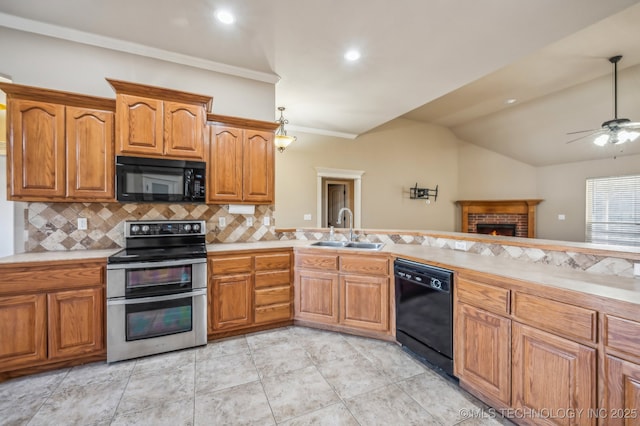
[(613, 210)]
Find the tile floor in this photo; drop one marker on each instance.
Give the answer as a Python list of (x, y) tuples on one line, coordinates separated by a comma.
[(288, 376)]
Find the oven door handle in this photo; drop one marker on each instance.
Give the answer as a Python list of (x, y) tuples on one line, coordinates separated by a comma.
[(123, 301), (165, 264)]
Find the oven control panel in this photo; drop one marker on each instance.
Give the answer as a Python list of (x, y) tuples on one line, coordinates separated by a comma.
[(161, 228)]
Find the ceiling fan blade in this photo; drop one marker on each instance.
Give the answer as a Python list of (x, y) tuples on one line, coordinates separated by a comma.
[(584, 136), (582, 131), (630, 125)]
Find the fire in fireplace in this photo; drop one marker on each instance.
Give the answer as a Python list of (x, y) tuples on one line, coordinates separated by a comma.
[(504, 229)]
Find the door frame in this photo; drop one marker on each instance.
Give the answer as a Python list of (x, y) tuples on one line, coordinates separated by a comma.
[(356, 176), (348, 185)]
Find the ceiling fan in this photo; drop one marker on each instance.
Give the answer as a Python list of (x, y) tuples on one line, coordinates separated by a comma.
[(618, 130)]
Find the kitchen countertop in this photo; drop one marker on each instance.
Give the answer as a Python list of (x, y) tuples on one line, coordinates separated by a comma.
[(55, 256), (259, 245), (614, 287)]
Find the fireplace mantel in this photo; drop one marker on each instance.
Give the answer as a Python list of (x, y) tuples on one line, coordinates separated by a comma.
[(524, 207)]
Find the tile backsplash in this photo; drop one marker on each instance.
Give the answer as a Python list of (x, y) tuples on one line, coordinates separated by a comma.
[(54, 226), (604, 264)]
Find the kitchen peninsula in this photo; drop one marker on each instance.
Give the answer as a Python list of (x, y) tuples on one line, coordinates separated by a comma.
[(576, 327)]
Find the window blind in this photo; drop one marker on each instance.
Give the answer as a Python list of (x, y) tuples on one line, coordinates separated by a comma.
[(613, 210)]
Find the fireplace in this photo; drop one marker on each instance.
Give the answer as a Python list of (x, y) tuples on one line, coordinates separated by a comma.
[(503, 229), (517, 215)]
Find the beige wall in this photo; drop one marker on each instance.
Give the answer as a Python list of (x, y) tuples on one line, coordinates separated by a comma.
[(563, 189), (394, 157), (486, 175)]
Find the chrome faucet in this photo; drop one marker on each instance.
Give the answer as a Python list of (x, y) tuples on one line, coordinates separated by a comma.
[(350, 221)]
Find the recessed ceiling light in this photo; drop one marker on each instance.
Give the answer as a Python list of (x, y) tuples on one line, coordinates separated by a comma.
[(225, 17), (352, 55), (510, 101)]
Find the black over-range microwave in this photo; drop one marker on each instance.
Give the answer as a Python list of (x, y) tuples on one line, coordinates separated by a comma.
[(159, 180)]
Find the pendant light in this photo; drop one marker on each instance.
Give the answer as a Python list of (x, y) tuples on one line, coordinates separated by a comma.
[(282, 141)]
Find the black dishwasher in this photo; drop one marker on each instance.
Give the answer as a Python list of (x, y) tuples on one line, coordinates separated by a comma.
[(424, 311)]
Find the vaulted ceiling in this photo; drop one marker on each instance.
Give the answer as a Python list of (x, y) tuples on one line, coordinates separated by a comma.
[(450, 62)]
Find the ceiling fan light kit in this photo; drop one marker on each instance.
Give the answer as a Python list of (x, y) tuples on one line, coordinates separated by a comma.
[(618, 130)]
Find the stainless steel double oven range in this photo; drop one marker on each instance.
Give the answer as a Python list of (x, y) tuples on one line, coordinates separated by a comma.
[(157, 289)]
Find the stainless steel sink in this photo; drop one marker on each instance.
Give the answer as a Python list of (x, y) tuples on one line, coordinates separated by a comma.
[(330, 243), (365, 246), (352, 244)]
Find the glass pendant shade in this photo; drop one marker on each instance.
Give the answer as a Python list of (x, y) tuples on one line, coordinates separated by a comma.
[(281, 140)]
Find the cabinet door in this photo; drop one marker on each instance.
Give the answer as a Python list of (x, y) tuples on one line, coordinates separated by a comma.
[(258, 169), (316, 296), (76, 322), (622, 392), (364, 302), (232, 302), (184, 130), (482, 351), (225, 164), (90, 158), (139, 126), (23, 330), (552, 373), (37, 154)]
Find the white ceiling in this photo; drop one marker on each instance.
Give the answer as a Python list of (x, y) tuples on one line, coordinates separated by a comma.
[(458, 58)]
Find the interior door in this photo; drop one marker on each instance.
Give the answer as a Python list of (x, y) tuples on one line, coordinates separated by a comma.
[(336, 198)]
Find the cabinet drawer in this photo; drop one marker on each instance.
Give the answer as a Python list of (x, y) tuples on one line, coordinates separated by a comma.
[(273, 313), (549, 315), (317, 261), (270, 279), (229, 265), (44, 278), (488, 297), (622, 335), (272, 296), (272, 262), (364, 264)]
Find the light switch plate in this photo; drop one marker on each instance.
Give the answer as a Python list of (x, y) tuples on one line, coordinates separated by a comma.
[(636, 270), (250, 221), (222, 222), (561, 217), (266, 221), (307, 216), (82, 223)]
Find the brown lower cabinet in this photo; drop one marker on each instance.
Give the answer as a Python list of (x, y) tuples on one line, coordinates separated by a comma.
[(316, 296), (23, 330), (50, 316), (534, 357), (364, 302), (550, 372), (348, 292), (483, 355), (249, 291), (622, 396)]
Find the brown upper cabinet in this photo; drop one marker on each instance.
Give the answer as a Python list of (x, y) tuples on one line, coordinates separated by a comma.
[(157, 122), (240, 161), (60, 145)]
